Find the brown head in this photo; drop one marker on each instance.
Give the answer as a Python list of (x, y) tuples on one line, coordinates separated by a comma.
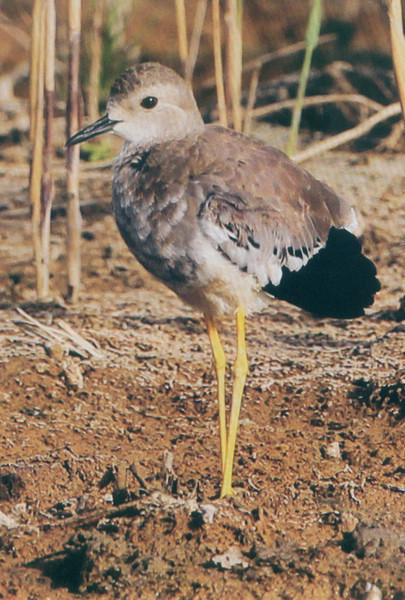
[(148, 104)]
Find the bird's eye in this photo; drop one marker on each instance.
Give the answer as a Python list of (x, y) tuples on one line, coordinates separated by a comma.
[(149, 102)]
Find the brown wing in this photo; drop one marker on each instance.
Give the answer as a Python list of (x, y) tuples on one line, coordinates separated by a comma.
[(263, 210)]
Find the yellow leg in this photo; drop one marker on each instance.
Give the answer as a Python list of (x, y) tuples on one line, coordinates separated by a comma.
[(220, 363), (240, 372)]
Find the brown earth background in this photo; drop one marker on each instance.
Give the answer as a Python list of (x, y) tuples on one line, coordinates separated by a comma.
[(109, 462)]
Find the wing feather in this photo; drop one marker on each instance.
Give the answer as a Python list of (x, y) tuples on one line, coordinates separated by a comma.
[(263, 211)]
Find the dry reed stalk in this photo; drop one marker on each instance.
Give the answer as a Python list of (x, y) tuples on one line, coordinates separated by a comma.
[(391, 142), (219, 73), (233, 79), (327, 38), (47, 185), (273, 56), (182, 33), (268, 109), (195, 39), (64, 335), (35, 63), (254, 82), (95, 60), (22, 38), (37, 134), (351, 134), (74, 219), (398, 47)]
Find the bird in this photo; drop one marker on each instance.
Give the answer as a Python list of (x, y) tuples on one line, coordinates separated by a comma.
[(226, 222)]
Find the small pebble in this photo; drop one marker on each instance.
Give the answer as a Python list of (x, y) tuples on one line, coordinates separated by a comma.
[(348, 522), (231, 558), (372, 592), (333, 451), (58, 351), (73, 375), (41, 368), (8, 522), (208, 512)]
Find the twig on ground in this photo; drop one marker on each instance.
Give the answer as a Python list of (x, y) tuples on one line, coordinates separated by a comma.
[(391, 142), (394, 488), (65, 335), (133, 467), (347, 136)]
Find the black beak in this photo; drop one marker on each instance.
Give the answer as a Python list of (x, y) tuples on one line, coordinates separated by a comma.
[(101, 126)]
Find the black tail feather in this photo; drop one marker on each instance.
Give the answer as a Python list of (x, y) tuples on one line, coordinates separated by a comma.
[(339, 281)]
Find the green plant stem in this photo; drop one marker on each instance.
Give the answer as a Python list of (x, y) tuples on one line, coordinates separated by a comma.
[(311, 40)]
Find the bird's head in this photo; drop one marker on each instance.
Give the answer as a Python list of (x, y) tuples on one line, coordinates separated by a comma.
[(148, 104)]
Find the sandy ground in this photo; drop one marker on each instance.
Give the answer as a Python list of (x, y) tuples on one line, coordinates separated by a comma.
[(109, 457)]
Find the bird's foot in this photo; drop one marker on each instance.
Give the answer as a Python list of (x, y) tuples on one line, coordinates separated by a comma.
[(227, 491)]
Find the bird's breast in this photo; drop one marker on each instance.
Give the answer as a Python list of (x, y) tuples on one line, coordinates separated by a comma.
[(159, 222), (156, 222)]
